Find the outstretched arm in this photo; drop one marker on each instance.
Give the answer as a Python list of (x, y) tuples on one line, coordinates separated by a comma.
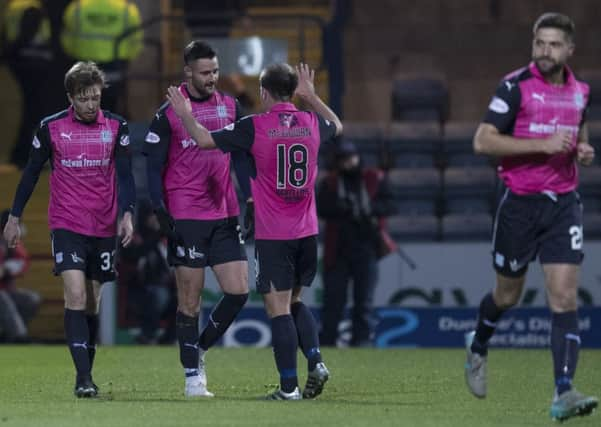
[(306, 91), (182, 107)]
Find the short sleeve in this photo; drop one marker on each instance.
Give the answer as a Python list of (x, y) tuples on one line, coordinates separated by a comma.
[(504, 106), (159, 134), (327, 129), (237, 136)]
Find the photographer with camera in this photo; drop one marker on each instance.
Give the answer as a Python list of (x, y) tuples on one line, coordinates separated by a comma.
[(353, 201)]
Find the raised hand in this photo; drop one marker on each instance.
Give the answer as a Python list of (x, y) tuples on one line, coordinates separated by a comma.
[(180, 104), (306, 76)]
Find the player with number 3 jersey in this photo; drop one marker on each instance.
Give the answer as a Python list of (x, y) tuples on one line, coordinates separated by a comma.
[(90, 185)]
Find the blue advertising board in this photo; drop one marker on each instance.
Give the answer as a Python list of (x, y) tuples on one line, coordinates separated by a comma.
[(432, 327)]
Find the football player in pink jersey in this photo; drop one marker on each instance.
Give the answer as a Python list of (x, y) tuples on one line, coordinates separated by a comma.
[(284, 144), (536, 125), (194, 197), (91, 187)]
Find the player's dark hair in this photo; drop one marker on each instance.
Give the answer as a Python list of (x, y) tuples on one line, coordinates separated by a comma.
[(198, 50), (83, 75), (555, 20), (280, 80)]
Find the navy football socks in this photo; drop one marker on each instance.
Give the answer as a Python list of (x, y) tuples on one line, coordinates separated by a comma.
[(187, 337), (221, 318), (487, 322), (77, 335), (285, 344), (308, 336), (565, 345)]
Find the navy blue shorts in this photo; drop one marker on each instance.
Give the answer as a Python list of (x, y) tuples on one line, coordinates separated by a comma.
[(95, 256), (545, 225), (206, 243), (285, 264)]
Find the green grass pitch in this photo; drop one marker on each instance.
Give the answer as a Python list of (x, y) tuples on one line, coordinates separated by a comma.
[(143, 386)]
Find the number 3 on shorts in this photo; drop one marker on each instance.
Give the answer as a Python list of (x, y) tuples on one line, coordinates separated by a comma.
[(576, 233), (107, 261)]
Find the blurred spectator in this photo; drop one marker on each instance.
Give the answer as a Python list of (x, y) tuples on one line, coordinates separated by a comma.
[(92, 32), (17, 305), (353, 202), (151, 289), (28, 54)]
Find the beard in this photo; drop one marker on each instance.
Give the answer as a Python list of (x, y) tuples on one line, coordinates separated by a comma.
[(204, 91), (549, 67)]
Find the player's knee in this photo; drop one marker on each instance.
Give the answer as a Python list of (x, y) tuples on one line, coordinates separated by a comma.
[(75, 300), (275, 310), (563, 301)]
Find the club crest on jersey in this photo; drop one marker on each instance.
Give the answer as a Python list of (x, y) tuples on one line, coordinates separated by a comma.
[(221, 111), (188, 143), (106, 136), (579, 100), (287, 120), (36, 142), (124, 140)]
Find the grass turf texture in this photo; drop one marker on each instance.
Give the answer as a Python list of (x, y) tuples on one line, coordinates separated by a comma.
[(143, 386)]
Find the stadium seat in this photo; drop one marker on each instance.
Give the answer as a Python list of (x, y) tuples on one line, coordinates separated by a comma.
[(593, 78), (469, 181), (367, 137), (459, 152), (592, 225), (413, 153), (591, 204), (416, 206), (405, 228), (590, 181), (464, 130), (422, 182), (420, 99), (466, 205), (363, 130), (466, 226)]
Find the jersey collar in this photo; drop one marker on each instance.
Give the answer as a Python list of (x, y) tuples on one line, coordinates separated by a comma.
[(283, 106), (100, 119), (568, 73)]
